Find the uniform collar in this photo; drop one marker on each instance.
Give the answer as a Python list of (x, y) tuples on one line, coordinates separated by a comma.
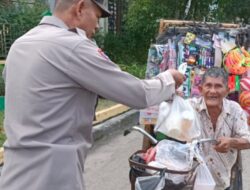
[(81, 32), (52, 20)]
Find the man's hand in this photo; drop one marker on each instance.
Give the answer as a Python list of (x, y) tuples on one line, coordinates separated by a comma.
[(223, 145), (178, 77)]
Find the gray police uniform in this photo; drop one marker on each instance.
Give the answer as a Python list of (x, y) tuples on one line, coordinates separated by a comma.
[(53, 76)]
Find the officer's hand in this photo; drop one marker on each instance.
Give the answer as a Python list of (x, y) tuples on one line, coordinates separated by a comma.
[(178, 77), (223, 145)]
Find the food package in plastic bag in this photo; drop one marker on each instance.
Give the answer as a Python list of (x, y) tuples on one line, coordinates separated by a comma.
[(174, 155), (204, 179), (178, 120), (155, 182)]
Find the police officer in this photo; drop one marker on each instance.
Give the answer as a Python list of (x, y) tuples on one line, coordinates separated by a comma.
[(53, 75)]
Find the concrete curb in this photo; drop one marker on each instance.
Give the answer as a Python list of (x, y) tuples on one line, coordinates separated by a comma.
[(123, 121), (110, 112)]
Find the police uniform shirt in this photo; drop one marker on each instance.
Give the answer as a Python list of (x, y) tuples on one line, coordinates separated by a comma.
[(53, 76)]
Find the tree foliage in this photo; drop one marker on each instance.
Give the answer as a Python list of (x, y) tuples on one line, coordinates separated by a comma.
[(141, 24), (22, 14), (233, 11)]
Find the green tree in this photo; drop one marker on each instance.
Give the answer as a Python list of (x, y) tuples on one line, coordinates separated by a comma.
[(141, 26), (233, 11), (16, 19), (21, 13)]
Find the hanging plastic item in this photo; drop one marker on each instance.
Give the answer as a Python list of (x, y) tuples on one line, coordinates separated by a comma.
[(195, 92), (247, 55), (235, 62), (204, 179), (237, 83), (245, 84), (231, 82), (155, 63), (190, 37), (244, 99), (178, 120)]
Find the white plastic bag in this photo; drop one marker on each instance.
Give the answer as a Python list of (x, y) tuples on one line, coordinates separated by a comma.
[(155, 182), (174, 155), (178, 120), (204, 179)]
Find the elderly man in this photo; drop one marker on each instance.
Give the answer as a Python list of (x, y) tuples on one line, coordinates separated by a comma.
[(223, 120), (53, 75)]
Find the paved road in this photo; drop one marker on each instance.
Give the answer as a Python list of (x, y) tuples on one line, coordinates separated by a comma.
[(246, 169), (107, 164)]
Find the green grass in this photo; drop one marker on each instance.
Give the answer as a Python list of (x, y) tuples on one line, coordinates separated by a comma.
[(103, 104)]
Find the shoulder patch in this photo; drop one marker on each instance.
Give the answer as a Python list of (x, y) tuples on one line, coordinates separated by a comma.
[(103, 54)]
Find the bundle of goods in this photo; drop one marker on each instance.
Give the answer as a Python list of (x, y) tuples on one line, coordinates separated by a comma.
[(200, 49), (244, 98), (237, 61)]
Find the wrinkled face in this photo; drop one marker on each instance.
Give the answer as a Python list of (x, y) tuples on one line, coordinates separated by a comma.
[(213, 90), (89, 19)]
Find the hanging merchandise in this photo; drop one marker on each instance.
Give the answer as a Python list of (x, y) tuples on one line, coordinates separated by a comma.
[(172, 55), (218, 51), (235, 62), (245, 84), (231, 82), (190, 37), (196, 81), (247, 55), (245, 99), (199, 46), (237, 83), (154, 59)]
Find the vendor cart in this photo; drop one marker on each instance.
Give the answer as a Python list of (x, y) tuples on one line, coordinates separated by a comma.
[(162, 56)]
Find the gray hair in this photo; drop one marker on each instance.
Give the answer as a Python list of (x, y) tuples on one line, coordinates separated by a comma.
[(216, 72)]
